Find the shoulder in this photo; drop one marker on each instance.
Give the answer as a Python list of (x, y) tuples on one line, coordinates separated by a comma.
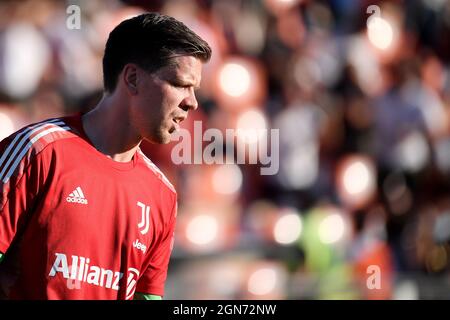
[(157, 173), (37, 136), (25, 144)]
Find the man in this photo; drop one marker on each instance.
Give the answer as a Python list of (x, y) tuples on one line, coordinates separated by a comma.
[(83, 213)]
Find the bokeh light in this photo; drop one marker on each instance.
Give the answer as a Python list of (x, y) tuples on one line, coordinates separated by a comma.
[(202, 229), (288, 228), (234, 79), (227, 179), (262, 281), (331, 229), (380, 32), (412, 152), (251, 126), (356, 180), (240, 82)]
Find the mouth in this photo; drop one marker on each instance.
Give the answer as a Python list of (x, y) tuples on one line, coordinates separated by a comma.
[(176, 122), (179, 119)]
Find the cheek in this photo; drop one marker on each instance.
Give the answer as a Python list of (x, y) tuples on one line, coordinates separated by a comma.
[(171, 99)]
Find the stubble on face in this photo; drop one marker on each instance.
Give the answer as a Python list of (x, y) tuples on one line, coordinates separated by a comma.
[(167, 96)]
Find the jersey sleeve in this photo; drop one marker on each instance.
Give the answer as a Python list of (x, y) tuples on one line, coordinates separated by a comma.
[(22, 175), (153, 279)]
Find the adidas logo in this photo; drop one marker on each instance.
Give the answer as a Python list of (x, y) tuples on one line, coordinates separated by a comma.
[(77, 196)]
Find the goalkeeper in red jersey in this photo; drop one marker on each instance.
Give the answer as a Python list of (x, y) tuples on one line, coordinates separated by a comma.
[(84, 214)]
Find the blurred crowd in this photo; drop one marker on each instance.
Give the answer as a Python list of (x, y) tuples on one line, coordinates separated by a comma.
[(359, 92)]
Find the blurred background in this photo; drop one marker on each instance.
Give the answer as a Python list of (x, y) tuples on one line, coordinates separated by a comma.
[(360, 93)]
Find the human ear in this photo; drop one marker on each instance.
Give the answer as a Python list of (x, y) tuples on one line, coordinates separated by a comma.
[(130, 78)]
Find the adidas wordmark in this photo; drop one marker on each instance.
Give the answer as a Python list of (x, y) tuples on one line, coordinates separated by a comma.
[(77, 196)]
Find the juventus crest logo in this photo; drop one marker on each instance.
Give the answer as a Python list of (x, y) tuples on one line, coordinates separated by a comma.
[(145, 218)]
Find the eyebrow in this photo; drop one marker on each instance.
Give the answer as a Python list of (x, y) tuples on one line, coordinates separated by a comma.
[(188, 83), (176, 76)]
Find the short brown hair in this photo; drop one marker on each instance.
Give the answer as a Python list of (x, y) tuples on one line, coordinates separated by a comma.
[(150, 40)]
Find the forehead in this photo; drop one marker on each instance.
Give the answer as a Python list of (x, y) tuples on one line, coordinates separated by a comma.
[(185, 68)]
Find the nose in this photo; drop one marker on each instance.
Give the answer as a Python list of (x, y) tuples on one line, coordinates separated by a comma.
[(190, 101)]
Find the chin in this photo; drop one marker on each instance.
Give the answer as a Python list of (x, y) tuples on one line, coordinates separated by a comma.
[(165, 141), (158, 141), (160, 138)]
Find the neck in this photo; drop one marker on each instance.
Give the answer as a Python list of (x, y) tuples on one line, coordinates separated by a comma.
[(108, 127)]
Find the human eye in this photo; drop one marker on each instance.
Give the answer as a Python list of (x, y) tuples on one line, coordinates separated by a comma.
[(179, 86), (177, 83)]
